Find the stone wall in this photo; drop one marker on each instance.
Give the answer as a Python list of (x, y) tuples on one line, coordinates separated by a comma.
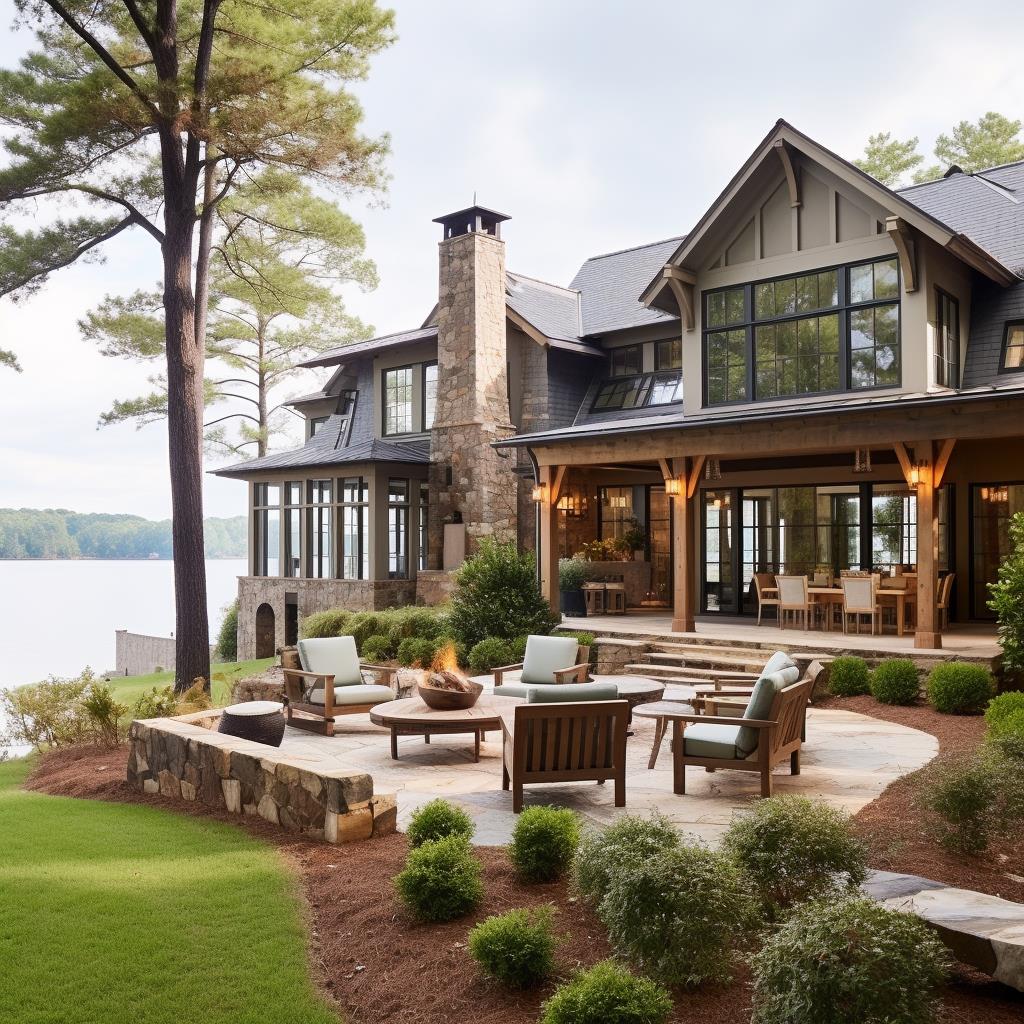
[(186, 759), (137, 654), (433, 586)]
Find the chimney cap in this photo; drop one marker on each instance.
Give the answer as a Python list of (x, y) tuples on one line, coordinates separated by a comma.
[(472, 220)]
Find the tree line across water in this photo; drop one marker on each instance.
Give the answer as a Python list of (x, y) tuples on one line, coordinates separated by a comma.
[(59, 533)]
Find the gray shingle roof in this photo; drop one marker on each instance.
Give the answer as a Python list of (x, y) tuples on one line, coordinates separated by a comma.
[(345, 352), (611, 285), (988, 207), (552, 309)]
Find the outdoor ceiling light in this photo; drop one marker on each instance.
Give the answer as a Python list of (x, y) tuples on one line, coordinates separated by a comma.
[(862, 461), (712, 469)]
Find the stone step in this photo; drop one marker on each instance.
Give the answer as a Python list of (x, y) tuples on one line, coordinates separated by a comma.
[(710, 659), (663, 671), (700, 670)]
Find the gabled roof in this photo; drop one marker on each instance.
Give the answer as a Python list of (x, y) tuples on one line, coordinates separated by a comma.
[(345, 352), (552, 309)]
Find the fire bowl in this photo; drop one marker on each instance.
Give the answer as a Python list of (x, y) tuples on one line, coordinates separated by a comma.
[(449, 700)]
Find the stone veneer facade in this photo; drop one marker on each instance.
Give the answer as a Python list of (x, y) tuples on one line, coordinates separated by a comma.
[(468, 478), (185, 758)]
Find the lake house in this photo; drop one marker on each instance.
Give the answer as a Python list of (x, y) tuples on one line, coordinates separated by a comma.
[(822, 376)]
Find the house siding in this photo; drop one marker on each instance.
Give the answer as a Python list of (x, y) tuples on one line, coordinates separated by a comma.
[(993, 306)]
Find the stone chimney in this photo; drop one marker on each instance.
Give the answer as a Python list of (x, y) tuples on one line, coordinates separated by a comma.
[(470, 481)]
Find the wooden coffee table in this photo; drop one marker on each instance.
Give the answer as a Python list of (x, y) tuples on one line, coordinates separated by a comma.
[(411, 717), (662, 711)]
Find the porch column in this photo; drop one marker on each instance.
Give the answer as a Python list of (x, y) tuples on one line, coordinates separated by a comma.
[(927, 633), (684, 548), (547, 514)]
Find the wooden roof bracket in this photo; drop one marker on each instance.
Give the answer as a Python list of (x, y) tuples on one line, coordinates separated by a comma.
[(682, 283), (903, 457), (792, 180), (902, 235), (945, 451)]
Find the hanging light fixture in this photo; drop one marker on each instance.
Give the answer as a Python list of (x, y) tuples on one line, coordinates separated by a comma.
[(862, 460), (673, 486), (712, 468)]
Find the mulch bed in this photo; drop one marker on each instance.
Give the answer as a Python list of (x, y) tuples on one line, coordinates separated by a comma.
[(378, 966)]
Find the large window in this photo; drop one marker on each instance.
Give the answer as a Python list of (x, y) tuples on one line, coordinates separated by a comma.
[(320, 492), (947, 340), (398, 400), (668, 354), (398, 529), (429, 394), (618, 509), (992, 505), (424, 524), (355, 529), (1013, 347), (808, 334), (293, 529), (267, 512)]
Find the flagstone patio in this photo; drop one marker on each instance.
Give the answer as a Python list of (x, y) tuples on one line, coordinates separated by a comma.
[(848, 759)]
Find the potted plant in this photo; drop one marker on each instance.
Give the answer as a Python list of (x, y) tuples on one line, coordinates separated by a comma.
[(572, 574), (635, 540)]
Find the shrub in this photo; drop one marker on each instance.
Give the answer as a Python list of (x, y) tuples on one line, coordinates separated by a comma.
[(414, 650), (849, 676), (329, 623), (516, 948), (440, 880), (490, 653), (227, 634), (438, 819), (517, 648), (572, 573), (793, 849), (1008, 599), (957, 688), (160, 702), (848, 962), (544, 842), (377, 648), (104, 713), (584, 640), (362, 625), (607, 994), (895, 682), (1005, 715), (425, 623), (48, 714), (496, 594), (677, 915), (195, 698), (629, 838)]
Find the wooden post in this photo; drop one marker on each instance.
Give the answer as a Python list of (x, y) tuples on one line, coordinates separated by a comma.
[(927, 633), (547, 511), (684, 577)]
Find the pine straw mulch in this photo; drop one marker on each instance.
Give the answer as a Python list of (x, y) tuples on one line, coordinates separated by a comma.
[(378, 966)]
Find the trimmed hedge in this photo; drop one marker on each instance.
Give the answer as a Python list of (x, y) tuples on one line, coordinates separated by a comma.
[(416, 651), (516, 948), (607, 994), (544, 842), (849, 676), (959, 688), (438, 819), (895, 682), (440, 880)]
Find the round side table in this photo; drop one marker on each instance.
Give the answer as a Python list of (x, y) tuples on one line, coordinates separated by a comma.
[(261, 721), (662, 711)]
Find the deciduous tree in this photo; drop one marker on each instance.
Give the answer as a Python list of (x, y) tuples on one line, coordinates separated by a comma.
[(889, 159)]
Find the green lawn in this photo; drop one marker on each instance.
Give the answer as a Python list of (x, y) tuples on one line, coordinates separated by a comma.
[(115, 913), (129, 688)]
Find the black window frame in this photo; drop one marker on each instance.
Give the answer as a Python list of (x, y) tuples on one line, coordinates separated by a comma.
[(424, 426), (941, 360), (315, 423), (262, 508), (398, 516), (622, 350), (657, 354), (360, 510), (384, 432), (642, 383), (1007, 327)]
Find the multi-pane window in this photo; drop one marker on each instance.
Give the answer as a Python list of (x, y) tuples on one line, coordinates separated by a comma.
[(355, 528), (617, 511), (804, 334), (267, 516), (424, 524), (636, 392), (626, 361), (947, 340), (316, 424), (398, 529), (668, 354), (292, 529), (398, 388), (1013, 347), (429, 394), (320, 492)]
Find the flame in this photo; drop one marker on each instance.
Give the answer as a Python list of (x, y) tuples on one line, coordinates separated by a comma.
[(445, 659)]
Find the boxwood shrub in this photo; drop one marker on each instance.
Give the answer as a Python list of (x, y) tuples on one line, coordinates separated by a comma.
[(332, 622), (438, 819), (493, 652), (544, 842), (415, 651), (1005, 715), (895, 682), (959, 688), (440, 880), (377, 648), (849, 676), (516, 948), (607, 994)]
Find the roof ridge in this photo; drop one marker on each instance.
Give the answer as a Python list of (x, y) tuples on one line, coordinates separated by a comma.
[(548, 284), (633, 248), (967, 174)]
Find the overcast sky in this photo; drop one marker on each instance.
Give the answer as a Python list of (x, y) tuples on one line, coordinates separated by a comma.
[(594, 125)]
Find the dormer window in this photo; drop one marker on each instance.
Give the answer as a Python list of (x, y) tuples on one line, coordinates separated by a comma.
[(1013, 347), (947, 340), (626, 361), (668, 355), (316, 423)]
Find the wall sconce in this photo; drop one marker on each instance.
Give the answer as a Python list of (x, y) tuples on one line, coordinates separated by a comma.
[(712, 469), (539, 492), (862, 461), (915, 475), (673, 486)]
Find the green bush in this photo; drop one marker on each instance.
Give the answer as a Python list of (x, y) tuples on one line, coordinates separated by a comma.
[(425, 623), (517, 648), (849, 676), (332, 622), (415, 651), (1005, 715), (678, 915), (490, 653), (440, 880), (438, 819), (105, 713), (362, 625), (1008, 599), (516, 948), (607, 994), (958, 688), (227, 635), (544, 842), (377, 648), (849, 962), (160, 702), (895, 682), (628, 839), (584, 640), (793, 848), (572, 573), (496, 594), (49, 714)]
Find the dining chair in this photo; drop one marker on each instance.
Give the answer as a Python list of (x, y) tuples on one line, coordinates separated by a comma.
[(762, 582), (859, 599), (794, 600), (945, 589)]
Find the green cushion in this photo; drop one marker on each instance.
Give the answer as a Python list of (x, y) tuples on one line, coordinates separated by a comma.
[(333, 655), (777, 662), (711, 741), (760, 704), (514, 689), (362, 693), (571, 692), (545, 655)]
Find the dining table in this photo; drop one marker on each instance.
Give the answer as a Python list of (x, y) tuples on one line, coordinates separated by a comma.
[(831, 595)]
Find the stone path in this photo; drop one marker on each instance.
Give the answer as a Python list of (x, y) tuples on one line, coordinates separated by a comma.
[(848, 759)]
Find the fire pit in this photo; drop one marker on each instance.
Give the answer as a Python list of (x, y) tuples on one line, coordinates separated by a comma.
[(444, 688)]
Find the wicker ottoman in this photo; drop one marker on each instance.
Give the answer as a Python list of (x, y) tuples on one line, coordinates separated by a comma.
[(259, 720)]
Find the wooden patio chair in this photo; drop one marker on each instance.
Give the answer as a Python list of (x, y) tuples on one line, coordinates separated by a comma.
[(945, 590), (558, 741), (330, 683), (764, 581), (771, 729), (548, 661), (859, 598), (794, 600)]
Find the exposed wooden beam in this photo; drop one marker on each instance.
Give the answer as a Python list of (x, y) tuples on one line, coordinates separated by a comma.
[(792, 182), (903, 457), (526, 327), (556, 484), (666, 469), (942, 458), (902, 235), (684, 296), (695, 472)]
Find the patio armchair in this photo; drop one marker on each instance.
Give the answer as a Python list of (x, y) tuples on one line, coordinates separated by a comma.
[(764, 581), (330, 683), (554, 738), (794, 600), (860, 598), (548, 661), (771, 728)]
